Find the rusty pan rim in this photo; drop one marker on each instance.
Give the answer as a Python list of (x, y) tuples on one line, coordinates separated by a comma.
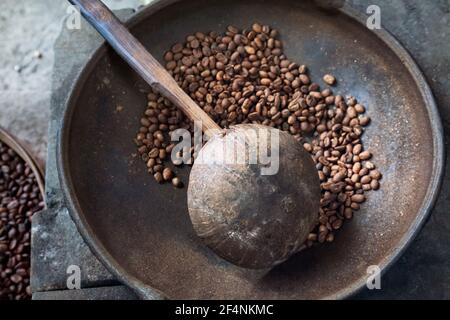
[(148, 292), (27, 156)]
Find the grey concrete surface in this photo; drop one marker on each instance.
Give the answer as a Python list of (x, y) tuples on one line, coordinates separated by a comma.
[(26, 28), (57, 245)]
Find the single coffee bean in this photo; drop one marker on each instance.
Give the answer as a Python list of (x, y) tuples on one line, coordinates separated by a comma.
[(339, 176), (375, 174), (158, 177), (154, 153), (357, 149), (13, 205), (167, 174), (348, 213), (365, 155), (330, 237), (360, 108), (177, 182), (329, 79), (369, 165), (16, 278), (151, 163), (257, 27), (351, 112), (366, 179), (364, 121), (11, 233), (374, 185), (177, 48), (250, 50), (3, 247), (337, 224), (358, 198)]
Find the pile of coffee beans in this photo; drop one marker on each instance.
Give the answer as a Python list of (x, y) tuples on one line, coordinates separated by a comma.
[(20, 197), (243, 76)]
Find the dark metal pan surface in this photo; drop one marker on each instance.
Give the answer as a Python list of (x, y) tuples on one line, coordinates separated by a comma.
[(141, 231)]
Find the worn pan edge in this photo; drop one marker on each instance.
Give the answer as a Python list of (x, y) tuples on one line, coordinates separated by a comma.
[(145, 291)]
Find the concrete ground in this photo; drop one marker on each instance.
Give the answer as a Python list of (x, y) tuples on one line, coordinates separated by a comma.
[(28, 29)]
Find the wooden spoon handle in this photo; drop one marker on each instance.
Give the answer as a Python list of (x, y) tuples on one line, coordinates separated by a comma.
[(134, 53)]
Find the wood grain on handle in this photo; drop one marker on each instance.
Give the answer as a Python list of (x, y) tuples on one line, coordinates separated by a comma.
[(135, 54)]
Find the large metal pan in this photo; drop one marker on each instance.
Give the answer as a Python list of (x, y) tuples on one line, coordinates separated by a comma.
[(141, 231)]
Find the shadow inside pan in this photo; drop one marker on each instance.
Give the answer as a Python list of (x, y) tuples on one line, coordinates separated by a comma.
[(144, 227)]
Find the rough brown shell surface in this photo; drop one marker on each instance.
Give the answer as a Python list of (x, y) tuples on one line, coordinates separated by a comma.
[(248, 218)]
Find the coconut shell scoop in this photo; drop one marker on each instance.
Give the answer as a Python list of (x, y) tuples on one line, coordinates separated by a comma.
[(253, 194)]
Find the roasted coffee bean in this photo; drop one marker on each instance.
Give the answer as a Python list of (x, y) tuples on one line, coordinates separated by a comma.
[(11, 233), (167, 174), (177, 182), (348, 213), (339, 176), (243, 76), (364, 121), (19, 199), (16, 278), (360, 108), (330, 237), (375, 174), (358, 198), (357, 149), (329, 79), (374, 184), (365, 179), (365, 155), (158, 177), (369, 165), (154, 153), (336, 224)]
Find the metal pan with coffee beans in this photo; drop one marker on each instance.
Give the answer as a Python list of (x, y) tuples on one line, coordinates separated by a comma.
[(21, 195), (352, 98)]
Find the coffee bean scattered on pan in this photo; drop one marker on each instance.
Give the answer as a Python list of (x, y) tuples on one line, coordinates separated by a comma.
[(243, 76), (329, 79), (20, 197)]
